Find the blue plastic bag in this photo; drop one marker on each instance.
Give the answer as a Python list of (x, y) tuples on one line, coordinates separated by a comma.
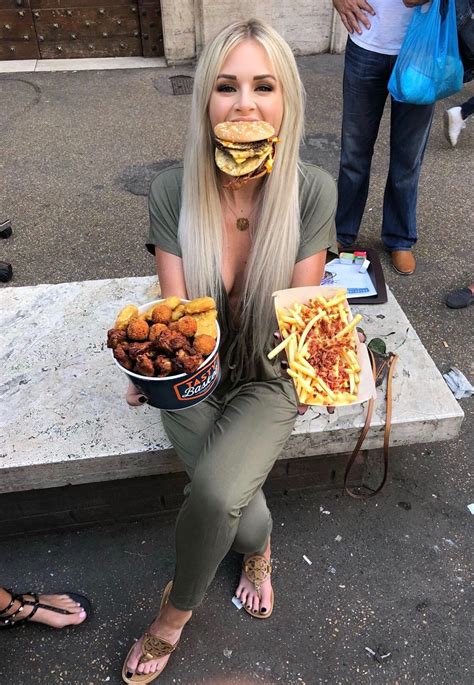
[(428, 67)]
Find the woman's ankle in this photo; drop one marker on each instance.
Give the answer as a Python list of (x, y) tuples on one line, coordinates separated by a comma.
[(173, 618)]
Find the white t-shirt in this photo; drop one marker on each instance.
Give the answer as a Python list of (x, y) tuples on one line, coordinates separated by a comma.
[(387, 27)]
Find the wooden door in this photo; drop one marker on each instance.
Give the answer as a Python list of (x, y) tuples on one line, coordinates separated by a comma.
[(18, 38), (50, 29)]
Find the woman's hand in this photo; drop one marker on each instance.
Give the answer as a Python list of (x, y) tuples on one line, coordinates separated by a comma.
[(353, 13), (134, 396)]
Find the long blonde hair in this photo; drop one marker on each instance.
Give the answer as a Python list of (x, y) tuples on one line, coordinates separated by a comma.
[(276, 232)]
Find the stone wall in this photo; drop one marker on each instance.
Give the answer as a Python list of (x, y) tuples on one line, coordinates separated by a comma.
[(309, 26)]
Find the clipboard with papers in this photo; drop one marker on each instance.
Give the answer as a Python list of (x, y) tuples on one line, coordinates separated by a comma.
[(362, 288)]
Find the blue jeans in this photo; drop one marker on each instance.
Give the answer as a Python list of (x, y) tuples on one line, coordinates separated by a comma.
[(366, 76)]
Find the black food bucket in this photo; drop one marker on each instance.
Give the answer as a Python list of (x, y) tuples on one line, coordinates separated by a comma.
[(184, 390)]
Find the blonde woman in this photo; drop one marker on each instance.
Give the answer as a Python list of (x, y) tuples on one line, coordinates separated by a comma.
[(229, 442)]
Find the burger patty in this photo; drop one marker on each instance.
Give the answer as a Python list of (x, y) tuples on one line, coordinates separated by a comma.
[(254, 147)]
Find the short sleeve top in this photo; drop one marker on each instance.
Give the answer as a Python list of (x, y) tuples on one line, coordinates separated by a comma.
[(317, 194)]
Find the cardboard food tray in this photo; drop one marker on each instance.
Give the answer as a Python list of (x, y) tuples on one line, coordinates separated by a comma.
[(285, 298)]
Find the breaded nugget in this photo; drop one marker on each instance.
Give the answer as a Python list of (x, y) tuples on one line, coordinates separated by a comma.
[(172, 302), (115, 336), (156, 329), (138, 330), (200, 304), (206, 323), (173, 326), (144, 366), (178, 312), (161, 313), (204, 344), (187, 326), (125, 315)]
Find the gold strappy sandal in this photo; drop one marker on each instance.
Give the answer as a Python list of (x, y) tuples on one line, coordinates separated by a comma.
[(153, 647), (257, 569)]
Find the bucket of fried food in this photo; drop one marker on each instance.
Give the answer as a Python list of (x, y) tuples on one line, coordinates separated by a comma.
[(326, 360), (169, 349)]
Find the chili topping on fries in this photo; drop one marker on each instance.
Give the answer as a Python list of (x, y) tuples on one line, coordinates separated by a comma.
[(320, 345)]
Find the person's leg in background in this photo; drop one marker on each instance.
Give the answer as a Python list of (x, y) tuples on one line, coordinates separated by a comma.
[(455, 120), (366, 75), (409, 130), (56, 610)]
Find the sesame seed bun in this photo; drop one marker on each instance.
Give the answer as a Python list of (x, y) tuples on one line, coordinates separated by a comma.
[(244, 131)]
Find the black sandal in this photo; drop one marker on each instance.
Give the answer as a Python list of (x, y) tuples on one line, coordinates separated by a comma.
[(7, 620)]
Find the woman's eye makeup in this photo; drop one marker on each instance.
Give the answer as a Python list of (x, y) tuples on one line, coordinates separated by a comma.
[(227, 88)]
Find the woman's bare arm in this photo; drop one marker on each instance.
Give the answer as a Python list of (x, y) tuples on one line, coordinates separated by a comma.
[(309, 271), (170, 274)]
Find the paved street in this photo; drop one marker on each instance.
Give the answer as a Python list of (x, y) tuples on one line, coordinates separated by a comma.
[(78, 151)]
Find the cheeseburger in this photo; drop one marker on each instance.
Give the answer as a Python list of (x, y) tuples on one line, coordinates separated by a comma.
[(245, 149)]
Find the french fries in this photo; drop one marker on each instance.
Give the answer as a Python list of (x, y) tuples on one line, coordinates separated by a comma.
[(320, 344)]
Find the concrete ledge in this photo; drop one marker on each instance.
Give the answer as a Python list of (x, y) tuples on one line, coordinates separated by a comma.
[(64, 420), (81, 64), (77, 506)]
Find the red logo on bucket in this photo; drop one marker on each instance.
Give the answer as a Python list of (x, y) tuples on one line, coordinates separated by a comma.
[(199, 384)]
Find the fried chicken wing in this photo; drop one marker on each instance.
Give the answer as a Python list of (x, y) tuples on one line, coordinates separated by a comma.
[(122, 357), (163, 342), (178, 340), (115, 336), (188, 362), (144, 366), (163, 365), (138, 348)]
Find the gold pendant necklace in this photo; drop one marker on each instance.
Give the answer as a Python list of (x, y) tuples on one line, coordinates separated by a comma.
[(242, 224)]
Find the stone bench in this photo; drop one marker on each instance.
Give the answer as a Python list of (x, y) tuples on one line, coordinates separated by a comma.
[(64, 420)]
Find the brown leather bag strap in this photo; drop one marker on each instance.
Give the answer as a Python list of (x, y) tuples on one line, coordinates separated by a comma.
[(390, 364)]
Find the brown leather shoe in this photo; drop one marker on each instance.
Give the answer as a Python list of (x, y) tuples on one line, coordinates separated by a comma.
[(403, 261)]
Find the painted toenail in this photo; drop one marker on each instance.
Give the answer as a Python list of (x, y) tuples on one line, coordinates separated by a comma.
[(129, 674), (263, 610)]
